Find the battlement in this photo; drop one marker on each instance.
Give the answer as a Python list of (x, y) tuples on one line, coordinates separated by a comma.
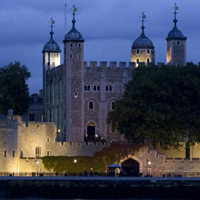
[(82, 144), (9, 121), (113, 64)]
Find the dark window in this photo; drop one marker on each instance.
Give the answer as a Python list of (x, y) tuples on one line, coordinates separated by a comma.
[(95, 88), (138, 51), (110, 88), (88, 88), (70, 55), (5, 153), (38, 152), (148, 51), (13, 154), (48, 153), (31, 117), (91, 105), (22, 154), (178, 43), (79, 45), (113, 105), (106, 88), (71, 45), (138, 60), (79, 56), (147, 60), (98, 87)]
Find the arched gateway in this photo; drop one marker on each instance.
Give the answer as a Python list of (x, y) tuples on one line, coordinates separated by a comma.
[(130, 167)]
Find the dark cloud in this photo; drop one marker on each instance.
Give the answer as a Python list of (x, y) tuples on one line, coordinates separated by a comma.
[(108, 26)]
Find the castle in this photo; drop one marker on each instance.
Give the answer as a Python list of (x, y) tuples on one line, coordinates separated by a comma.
[(78, 96), (76, 100)]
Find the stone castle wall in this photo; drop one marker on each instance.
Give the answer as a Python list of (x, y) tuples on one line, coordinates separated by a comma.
[(18, 143)]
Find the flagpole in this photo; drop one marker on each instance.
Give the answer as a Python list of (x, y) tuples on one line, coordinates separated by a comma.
[(65, 18)]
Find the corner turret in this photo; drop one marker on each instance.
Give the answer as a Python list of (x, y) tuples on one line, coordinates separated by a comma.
[(143, 48), (176, 44)]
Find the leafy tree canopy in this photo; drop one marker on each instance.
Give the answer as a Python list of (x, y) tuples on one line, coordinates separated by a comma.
[(160, 104), (14, 91)]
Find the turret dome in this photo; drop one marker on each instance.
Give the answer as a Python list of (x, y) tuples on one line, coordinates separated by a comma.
[(73, 34), (51, 45), (142, 42)]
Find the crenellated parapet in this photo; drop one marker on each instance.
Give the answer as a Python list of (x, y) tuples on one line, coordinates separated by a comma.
[(105, 65)]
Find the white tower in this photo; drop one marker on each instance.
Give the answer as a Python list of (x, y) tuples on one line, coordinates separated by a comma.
[(51, 59)]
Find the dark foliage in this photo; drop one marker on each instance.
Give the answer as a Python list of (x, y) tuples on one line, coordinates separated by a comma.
[(14, 91)]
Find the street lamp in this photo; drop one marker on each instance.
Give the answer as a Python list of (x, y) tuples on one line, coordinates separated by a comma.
[(148, 167), (75, 161), (37, 162)]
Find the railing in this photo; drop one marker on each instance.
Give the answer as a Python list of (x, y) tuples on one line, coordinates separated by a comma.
[(154, 174)]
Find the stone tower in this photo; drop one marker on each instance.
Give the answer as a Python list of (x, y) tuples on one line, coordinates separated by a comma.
[(176, 44), (74, 65), (143, 48), (51, 59)]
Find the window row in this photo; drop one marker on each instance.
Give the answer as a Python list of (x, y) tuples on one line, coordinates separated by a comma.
[(107, 88), (91, 105), (5, 154), (147, 51), (138, 60)]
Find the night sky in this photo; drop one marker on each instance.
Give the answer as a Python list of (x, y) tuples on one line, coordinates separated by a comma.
[(109, 28)]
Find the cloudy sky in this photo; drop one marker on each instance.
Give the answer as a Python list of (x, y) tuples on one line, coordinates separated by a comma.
[(109, 28)]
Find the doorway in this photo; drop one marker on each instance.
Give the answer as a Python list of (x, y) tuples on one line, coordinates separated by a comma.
[(130, 167)]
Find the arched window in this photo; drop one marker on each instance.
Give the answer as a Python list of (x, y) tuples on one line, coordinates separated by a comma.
[(98, 87), (91, 105), (113, 105), (95, 88), (148, 60), (110, 88), (138, 60), (106, 88), (138, 51)]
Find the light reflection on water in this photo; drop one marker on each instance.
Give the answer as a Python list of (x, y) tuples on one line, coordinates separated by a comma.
[(89, 199)]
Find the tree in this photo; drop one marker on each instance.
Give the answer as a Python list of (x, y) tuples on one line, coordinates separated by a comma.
[(160, 104), (14, 91)]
